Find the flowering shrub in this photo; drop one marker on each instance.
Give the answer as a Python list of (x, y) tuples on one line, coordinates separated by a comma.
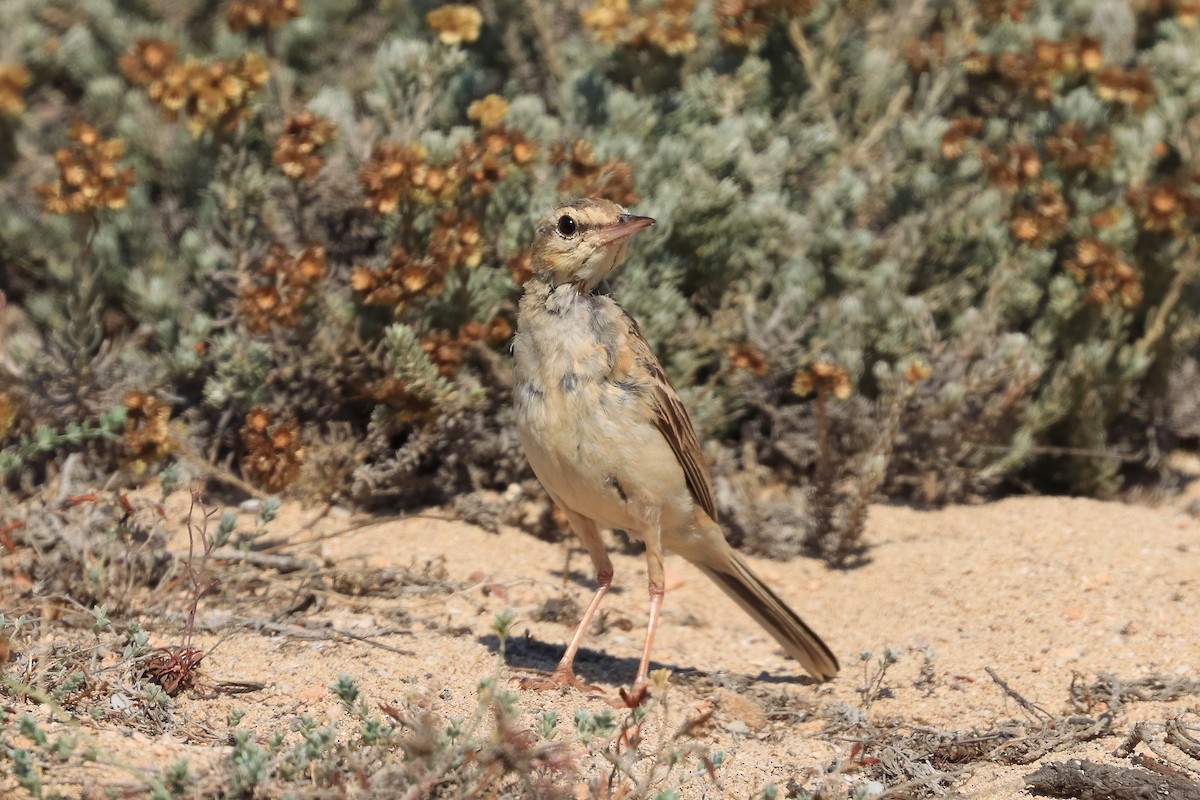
[(968, 232)]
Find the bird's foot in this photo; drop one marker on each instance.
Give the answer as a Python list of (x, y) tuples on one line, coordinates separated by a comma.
[(561, 678), (636, 695)]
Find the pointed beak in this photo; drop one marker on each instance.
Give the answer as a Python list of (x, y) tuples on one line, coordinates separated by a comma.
[(626, 225)]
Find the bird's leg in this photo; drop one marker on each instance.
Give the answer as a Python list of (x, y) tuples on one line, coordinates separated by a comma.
[(589, 535), (656, 571)]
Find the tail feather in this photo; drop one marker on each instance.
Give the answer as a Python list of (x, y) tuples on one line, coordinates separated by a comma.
[(756, 598)]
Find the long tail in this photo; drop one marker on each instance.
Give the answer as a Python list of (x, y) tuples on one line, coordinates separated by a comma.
[(737, 581)]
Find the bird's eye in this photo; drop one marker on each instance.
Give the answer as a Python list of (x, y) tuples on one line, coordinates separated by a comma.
[(566, 225)]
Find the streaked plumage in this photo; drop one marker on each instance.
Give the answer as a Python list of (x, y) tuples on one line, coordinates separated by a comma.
[(608, 437)]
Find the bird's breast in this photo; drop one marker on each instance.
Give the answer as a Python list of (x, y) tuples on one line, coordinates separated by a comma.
[(586, 434)]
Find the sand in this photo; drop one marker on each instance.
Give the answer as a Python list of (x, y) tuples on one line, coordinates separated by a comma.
[(1042, 590)]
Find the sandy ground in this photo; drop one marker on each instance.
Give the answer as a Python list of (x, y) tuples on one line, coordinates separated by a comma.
[(1039, 589)]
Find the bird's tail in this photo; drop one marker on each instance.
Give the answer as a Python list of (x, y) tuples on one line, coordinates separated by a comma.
[(737, 581)]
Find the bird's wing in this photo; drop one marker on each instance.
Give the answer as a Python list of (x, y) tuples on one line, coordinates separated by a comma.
[(668, 414)]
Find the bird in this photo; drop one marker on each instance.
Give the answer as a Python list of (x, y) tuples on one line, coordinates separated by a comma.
[(610, 441)]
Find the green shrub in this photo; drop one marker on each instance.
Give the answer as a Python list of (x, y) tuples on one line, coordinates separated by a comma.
[(982, 216)]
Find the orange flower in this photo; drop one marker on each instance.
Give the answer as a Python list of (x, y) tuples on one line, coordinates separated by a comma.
[(1164, 207), (212, 96), (608, 20), (1073, 149), (488, 112), (89, 179), (499, 331), (1018, 167), (259, 15), (401, 282), (391, 175), (1099, 265), (520, 267), (147, 431), (586, 177), (741, 23), (282, 288), (1132, 88), (748, 357), (1187, 13), (917, 371), (147, 62), (456, 241), (823, 378), (13, 80), (297, 150), (455, 23), (955, 137), (273, 456), (998, 10)]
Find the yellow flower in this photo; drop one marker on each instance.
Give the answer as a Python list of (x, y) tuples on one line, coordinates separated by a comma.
[(455, 23), (13, 80), (488, 112)]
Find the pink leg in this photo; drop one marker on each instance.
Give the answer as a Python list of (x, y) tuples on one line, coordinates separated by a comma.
[(564, 673), (589, 536), (654, 564)]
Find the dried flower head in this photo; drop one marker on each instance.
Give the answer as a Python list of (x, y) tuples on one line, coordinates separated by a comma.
[(995, 11), (397, 174), (608, 20), (13, 80), (741, 23), (1187, 13), (1016, 168), (1099, 265), (668, 29), (455, 23), (663, 25), (283, 285), (1132, 87), (444, 351), (1073, 149), (89, 179), (261, 15), (1045, 221), (520, 267), (147, 62), (273, 455), (955, 137), (488, 112), (456, 241), (920, 54), (499, 332), (585, 177), (401, 282), (297, 150), (210, 96), (918, 370), (1035, 70), (1165, 207), (824, 379), (147, 434), (747, 356)]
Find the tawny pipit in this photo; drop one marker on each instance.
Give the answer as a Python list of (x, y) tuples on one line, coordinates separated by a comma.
[(609, 439)]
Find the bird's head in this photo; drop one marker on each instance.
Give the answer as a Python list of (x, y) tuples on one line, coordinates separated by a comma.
[(581, 242)]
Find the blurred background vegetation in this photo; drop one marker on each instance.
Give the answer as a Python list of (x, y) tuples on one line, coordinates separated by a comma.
[(931, 250)]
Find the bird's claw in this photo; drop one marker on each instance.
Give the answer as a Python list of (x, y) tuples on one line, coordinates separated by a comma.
[(636, 695)]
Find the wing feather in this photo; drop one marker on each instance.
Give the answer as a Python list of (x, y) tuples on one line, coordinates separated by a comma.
[(671, 419)]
